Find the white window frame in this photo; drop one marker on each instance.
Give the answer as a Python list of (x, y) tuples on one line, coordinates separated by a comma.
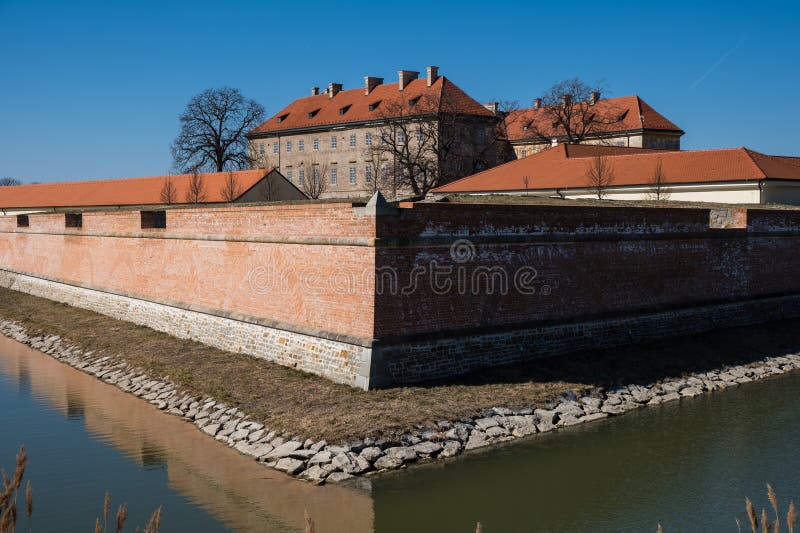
[(334, 142), (334, 174), (316, 145), (353, 175)]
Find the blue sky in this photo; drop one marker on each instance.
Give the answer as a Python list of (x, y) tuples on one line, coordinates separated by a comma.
[(94, 89)]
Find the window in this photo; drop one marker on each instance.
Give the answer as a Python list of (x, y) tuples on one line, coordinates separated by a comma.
[(73, 220), (23, 221), (288, 146), (368, 174), (419, 135), (154, 219), (374, 105), (524, 153), (384, 138), (352, 140), (316, 145), (275, 148), (368, 139), (301, 175), (413, 102), (261, 148), (289, 174), (315, 174), (344, 110), (283, 117), (401, 137), (313, 114), (301, 145), (334, 175), (352, 175), (334, 142), (384, 173)]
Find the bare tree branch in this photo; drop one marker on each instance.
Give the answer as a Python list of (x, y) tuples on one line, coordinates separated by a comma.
[(8, 182), (169, 194), (213, 128), (316, 179), (569, 111), (196, 193), (230, 190), (599, 176), (658, 184)]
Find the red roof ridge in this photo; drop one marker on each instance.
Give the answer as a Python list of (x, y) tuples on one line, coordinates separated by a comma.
[(111, 180)]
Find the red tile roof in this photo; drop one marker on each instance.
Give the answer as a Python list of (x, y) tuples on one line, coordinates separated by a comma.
[(636, 115), (565, 166), (124, 191), (353, 105)]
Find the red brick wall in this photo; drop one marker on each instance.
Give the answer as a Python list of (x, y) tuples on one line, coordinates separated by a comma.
[(589, 262), (315, 268), (275, 281)]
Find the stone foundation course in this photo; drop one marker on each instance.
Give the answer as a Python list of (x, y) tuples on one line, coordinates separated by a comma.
[(319, 462)]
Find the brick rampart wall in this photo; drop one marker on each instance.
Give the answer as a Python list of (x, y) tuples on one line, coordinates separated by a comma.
[(422, 291)]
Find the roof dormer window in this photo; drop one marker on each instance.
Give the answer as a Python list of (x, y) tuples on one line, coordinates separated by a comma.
[(313, 114), (344, 109), (413, 102), (374, 105), (283, 117)]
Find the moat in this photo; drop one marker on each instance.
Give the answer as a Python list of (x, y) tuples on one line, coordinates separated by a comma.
[(688, 465)]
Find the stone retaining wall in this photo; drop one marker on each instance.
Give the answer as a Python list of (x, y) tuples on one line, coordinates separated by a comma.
[(419, 360)]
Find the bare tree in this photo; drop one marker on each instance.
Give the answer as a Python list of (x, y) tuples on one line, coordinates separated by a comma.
[(169, 194), (7, 182), (267, 189), (316, 180), (261, 160), (196, 192), (599, 176), (569, 111), (426, 142), (376, 178), (231, 190), (658, 184), (213, 128)]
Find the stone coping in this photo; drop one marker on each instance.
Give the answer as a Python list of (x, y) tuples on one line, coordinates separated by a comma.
[(321, 462)]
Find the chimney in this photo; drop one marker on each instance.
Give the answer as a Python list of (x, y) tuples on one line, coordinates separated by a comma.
[(405, 77), (566, 99), (433, 75), (492, 106), (333, 88), (537, 103), (370, 82), (594, 96), (314, 91)]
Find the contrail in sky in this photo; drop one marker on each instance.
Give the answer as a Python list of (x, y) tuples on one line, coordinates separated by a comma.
[(719, 61)]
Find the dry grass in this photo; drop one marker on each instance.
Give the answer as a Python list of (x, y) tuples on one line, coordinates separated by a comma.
[(311, 406)]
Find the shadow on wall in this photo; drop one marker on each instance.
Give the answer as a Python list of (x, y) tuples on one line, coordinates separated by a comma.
[(646, 363)]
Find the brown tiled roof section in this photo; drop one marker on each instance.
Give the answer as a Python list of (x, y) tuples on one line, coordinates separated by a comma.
[(123, 191), (353, 105), (565, 166), (633, 114)]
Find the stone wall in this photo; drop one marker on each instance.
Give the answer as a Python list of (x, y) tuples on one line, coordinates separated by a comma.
[(439, 357)]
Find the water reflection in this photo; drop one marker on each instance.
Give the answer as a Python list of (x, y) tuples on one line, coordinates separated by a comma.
[(229, 486)]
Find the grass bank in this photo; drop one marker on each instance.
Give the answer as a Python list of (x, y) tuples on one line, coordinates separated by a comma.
[(313, 406)]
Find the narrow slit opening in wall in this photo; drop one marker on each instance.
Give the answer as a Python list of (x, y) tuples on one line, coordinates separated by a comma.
[(23, 221), (73, 220), (154, 219)]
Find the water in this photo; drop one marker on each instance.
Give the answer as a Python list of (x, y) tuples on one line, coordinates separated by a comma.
[(688, 466)]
